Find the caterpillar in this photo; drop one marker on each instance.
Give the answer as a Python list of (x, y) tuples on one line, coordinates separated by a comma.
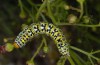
[(43, 28)]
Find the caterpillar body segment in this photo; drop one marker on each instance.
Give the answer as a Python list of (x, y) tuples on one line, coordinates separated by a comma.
[(43, 28)]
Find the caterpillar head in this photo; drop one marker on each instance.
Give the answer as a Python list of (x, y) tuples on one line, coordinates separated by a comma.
[(63, 48)]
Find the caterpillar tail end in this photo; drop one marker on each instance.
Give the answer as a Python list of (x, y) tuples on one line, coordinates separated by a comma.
[(15, 45)]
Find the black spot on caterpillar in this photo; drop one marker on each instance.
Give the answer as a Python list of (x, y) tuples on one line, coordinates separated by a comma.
[(43, 28)]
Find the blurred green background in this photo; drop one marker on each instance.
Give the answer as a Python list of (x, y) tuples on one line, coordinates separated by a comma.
[(79, 20)]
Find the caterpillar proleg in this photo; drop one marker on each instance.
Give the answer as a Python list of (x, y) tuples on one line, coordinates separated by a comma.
[(43, 28)]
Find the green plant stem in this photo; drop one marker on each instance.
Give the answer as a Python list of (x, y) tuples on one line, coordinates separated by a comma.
[(90, 60), (81, 13), (76, 9), (70, 60), (84, 52), (45, 41), (77, 58), (39, 48), (63, 63), (20, 4), (85, 8), (29, 12), (82, 25), (39, 12), (98, 51), (22, 7), (50, 12), (62, 60), (6, 29), (81, 8), (91, 37), (40, 9)]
